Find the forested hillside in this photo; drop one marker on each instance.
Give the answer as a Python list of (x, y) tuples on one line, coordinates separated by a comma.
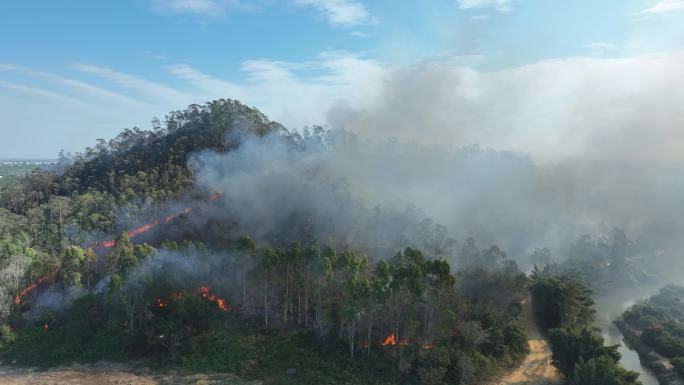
[(104, 257)]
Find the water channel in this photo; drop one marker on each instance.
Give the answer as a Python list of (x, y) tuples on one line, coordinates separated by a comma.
[(611, 307)]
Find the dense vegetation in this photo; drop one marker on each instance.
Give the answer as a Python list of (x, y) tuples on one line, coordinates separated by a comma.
[(286, 310), (604, 263), (655, 328), (564, 308), (324, 313)]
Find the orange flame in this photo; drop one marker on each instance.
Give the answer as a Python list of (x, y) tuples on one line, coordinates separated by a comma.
[(149, 226), (220, 302), (46, 326), (161, 303), (428, 346), (22, 294), (390, 340), (108, 244)]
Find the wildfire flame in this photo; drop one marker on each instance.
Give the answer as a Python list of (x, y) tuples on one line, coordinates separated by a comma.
[(22, 294), (391, 340), (160, 303), (46, 326), (203, 291), (149, 226), (132, 234), (220, 302)]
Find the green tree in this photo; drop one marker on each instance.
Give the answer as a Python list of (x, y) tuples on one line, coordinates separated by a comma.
[(570, 346), (602, 371)]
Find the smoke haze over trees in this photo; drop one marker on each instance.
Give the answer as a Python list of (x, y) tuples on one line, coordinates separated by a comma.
[(373, 245)]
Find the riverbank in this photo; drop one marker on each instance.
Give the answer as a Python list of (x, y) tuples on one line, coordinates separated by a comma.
[(657, 364)]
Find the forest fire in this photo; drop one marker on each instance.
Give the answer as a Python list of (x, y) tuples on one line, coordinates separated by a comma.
[(203, 292), (151, 225), (28, 289), (46, 326), (220, 302), (391, 340), (141, 230)]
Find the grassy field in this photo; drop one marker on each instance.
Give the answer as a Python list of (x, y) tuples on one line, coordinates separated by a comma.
[(9, 171)]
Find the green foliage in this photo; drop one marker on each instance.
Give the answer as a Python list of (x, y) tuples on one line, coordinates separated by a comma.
[(88, 332), (571, 346), (7, 336), (660, 322), (602, 371), (561, 301), (321, 310), (564, 308), (678, 363)]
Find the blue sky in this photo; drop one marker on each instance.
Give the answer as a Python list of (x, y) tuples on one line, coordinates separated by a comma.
[(71, 72)]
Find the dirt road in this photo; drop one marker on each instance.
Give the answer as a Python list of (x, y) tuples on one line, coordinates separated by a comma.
[(71, 376), (106, 374), (536, 369)]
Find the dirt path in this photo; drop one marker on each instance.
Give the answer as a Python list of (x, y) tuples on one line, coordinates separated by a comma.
[(536, 369), (105, 374), (71, 376)]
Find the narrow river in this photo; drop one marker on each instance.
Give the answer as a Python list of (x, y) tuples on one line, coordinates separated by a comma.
[(611, 307)]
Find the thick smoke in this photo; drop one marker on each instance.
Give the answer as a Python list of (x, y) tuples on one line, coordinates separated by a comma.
[(569, 147), (385, 195), (621, 109), (602, 139)]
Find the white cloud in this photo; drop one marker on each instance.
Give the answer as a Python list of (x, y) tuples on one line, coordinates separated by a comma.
[(73, 84), (71, 114), (204, 8), (664, 6), (600, 48), (36, 92), (554, 109), (341, 12), (499, 5), (358, 34), (142, 87)]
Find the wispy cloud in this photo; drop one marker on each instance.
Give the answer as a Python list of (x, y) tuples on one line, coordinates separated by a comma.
[(600, 48), (664, 6), (75, 85), (143, 87), (203, 8), (36, 92), (341, 12), (529, 108), (358, 34), (499, 5)]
